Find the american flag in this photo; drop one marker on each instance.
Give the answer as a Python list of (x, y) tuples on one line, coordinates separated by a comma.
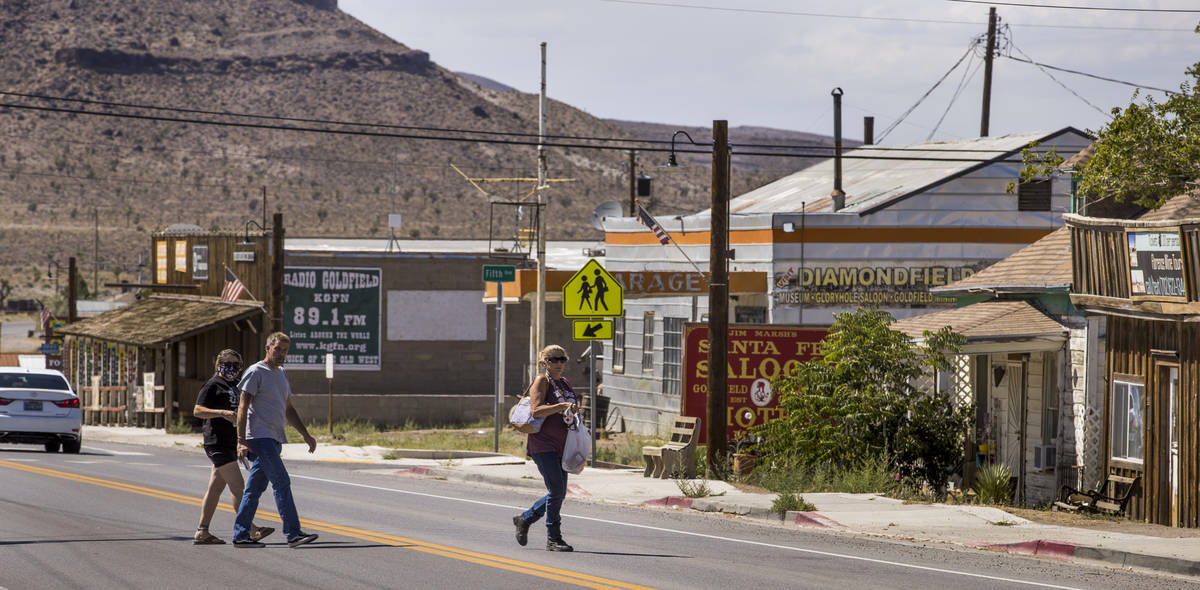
[(46, 317), (653, 225), (233, 287)]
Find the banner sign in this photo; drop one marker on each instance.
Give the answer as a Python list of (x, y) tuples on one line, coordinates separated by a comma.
[(758, 354), (869, 285), (1156, 265), (332, 310)]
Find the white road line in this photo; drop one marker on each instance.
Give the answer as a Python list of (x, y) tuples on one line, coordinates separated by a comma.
[(707, 536), (87, 461), (112, 452)]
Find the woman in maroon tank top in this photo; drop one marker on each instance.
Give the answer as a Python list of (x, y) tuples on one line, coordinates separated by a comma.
[(550, 397)]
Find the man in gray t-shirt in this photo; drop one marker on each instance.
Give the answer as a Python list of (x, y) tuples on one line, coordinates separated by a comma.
[(265, 406)]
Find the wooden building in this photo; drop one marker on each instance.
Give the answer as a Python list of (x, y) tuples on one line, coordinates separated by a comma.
[(1141, 277)]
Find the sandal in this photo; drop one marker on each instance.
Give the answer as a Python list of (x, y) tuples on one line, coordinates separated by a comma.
[(261, 532), (208, 539)]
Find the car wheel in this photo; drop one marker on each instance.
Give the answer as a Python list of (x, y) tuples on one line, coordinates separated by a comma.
[(52, 447), (72, 446)]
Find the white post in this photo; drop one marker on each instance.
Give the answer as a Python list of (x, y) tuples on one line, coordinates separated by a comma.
[(539, 309), (499, 361)]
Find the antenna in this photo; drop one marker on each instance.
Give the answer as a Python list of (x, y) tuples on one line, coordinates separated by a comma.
[(606, 209)]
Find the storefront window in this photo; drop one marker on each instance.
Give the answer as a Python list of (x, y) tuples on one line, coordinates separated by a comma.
[(1127, 420)]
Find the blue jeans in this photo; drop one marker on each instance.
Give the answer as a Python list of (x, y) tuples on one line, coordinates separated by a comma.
[(266, 466), (550, 465)]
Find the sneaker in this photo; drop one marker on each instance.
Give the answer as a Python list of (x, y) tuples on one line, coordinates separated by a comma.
[(261, 533), (558, 545), (247, 543), (522, 530), (303, 539)]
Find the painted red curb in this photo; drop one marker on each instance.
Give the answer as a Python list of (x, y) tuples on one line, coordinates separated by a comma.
[(1042, 548), (670, 502), (816, 520), (413, 471)]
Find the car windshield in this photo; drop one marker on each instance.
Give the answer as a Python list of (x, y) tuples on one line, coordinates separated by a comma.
[(33, 381)]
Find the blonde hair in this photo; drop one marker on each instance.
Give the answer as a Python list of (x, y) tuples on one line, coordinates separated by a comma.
[(278, 337), (550, 350)]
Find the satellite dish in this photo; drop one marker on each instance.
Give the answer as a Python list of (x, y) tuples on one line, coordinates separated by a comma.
[(606, 209)]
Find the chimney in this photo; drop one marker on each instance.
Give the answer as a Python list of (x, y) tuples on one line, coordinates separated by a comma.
[(839, 197), (868, 130)]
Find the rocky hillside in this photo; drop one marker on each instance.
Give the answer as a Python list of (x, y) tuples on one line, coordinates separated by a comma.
[(71, 183)]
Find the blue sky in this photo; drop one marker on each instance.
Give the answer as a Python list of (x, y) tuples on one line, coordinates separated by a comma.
[(774, 62)]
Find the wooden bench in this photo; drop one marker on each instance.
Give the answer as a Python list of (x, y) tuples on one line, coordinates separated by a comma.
[(677, 457), (1105, 498)]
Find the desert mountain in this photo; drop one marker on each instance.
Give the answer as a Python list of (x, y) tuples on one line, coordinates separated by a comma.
[(71, 182)]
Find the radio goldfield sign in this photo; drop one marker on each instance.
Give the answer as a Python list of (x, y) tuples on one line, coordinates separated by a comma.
[(758, 354), (332, 310)]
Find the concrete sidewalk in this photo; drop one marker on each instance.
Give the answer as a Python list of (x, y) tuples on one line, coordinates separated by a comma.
[(978, 527)]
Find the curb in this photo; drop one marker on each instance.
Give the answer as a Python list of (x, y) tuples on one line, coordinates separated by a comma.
[(1071, 552)]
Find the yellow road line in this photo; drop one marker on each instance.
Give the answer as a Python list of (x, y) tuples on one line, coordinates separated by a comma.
[(504, 563)]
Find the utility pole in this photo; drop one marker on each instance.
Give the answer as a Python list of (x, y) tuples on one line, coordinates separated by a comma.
[(72, 294), (633, 183), (987, 73), (96, 250), (718, 300), (539, 310)]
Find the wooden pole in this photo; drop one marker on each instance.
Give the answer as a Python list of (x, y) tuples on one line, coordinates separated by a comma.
[(718, 300)]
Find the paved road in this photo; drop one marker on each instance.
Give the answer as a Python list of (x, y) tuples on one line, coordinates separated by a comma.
[(122, 516)]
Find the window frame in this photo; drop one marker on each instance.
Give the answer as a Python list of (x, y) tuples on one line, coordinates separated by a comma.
[(648, 342), (1129, 383), (618, 345), (672, 355)]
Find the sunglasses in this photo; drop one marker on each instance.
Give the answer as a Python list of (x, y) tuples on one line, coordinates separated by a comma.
[(556, 359)]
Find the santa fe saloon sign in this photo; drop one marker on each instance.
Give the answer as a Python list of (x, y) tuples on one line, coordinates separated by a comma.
[(332, 310), (758, 353)]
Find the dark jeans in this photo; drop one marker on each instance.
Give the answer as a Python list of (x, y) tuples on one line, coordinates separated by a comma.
[(550, 465)]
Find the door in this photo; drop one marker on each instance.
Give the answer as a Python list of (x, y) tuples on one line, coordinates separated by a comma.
[(1171, 374)]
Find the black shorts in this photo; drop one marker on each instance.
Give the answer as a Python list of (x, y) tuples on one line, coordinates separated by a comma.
[(220, 455)]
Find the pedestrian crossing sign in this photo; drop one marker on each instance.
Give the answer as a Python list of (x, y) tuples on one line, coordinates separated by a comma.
[(593, 293)]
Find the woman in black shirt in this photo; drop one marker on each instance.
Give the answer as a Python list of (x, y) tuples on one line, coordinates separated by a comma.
[(217, 406)]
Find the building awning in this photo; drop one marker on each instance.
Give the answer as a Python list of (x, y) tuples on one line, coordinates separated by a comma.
[(160, 320), (994, 322)]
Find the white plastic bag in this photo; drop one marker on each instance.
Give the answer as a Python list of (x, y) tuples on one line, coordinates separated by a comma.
[(578, 448)]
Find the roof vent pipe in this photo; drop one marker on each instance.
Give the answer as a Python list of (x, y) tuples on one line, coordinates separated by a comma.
[(868, 130), (839, 197)]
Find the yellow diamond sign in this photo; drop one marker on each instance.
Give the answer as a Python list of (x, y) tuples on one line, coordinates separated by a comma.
[(593, 293)]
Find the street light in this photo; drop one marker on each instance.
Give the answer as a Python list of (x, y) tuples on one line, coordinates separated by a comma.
[(671, 161), (718, 294)]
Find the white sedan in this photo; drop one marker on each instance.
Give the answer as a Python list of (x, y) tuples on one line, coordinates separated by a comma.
[(37, 406)]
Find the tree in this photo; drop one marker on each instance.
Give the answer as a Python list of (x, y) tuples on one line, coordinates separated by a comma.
[(1148, 153), (857, 402)]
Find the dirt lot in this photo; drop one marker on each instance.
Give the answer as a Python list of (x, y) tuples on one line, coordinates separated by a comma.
[(1102, 523)]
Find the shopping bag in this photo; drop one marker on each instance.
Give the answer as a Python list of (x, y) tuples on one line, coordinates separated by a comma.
[(521, 417), (577, 449)]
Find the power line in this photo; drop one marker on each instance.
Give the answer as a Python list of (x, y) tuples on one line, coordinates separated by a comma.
[(1079, 73), (883, 18), (927, 92), (235, 114), (531, 143), (1066, 7), (1065, 87)]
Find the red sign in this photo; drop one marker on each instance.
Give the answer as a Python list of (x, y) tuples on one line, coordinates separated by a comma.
[(758, 353)]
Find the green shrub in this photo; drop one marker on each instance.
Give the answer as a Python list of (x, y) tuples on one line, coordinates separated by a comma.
[(694, 489), (181, 426), (791, 501), (857, 403), (993, 484)]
